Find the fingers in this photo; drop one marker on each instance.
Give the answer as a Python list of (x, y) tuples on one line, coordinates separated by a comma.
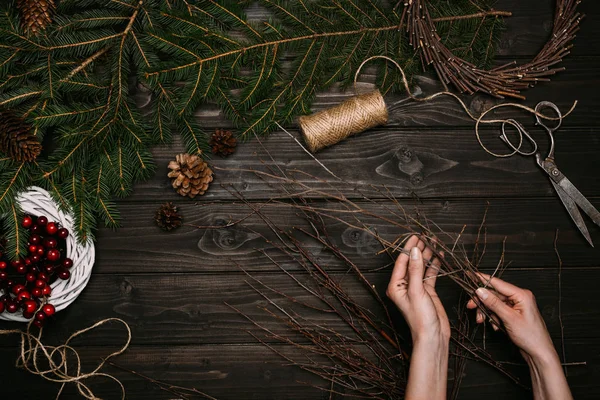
[(401, 264), (479, 317), (502, 287), (495, 322), (416, 270), (495, 304), (433, 270)]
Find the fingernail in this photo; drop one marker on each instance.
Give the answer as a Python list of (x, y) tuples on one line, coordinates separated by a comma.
[(415, 253), (482, 293)]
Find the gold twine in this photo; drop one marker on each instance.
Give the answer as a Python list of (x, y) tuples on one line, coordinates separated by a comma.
[(367, 111), (56, 367), (353, 116)]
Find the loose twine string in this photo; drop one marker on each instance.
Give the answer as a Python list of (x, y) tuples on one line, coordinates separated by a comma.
[(366, 111), (51, 362)]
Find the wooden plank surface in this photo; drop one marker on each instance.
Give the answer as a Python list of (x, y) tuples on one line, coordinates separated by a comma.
[(171, 288), (168, 309), (437, 163), (252, 372), (139, 247)]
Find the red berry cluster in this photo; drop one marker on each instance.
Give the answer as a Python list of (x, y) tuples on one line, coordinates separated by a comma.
[(26, 282)]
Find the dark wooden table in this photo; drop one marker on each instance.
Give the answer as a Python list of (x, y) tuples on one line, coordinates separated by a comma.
[(171, 288)]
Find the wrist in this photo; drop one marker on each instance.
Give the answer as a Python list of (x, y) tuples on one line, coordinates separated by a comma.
[(543, 359), (430, 340), (435, 346)]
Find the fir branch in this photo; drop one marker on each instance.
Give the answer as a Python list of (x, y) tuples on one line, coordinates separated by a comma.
[(75, 79)]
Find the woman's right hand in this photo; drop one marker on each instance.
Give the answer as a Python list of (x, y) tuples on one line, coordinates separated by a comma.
[(518, 311)]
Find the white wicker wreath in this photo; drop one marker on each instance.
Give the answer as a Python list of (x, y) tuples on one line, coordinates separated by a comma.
[(36, 201)]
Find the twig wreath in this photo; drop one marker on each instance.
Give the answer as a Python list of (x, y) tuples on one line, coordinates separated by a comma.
[(504, 81)]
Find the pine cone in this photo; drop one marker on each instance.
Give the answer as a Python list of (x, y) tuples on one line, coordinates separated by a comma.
[(222, 142), (16, 139), (36, 15), (167, 218), (190, 175)]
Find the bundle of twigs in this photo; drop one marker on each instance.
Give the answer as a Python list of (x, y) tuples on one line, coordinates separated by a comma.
[(506, 80), (368, 357)]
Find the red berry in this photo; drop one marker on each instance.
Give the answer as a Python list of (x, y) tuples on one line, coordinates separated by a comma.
[(40, 316), (37, 292), (35, 259), (27, 261), (67, 263), (40, 251), (27, 221), (43, 276), (52, 228), (49, 269), (63, 273), (53, 255), (42, 221), (38, 323), (48, 309), (30, 277), (33, 248), (10, 283), (24, 295), (30, 306), (36, 229), (47, 290), (27, 315), (12, 306), (50, 243), (40, 283), (15, 264), (2, 307), (22, 269), (35, 239), (3, 275), (18, 288), (63, 233), (3, 264)]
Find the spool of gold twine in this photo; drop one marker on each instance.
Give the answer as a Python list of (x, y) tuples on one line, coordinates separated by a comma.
[(353, 116), (367, 111)]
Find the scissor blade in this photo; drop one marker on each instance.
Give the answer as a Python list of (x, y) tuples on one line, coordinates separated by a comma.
[(571, 207), (581, 201)]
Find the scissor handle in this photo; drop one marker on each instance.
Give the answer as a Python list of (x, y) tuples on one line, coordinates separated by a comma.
[(539, 115)]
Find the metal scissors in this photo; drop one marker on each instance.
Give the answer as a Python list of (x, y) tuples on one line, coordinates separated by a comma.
[(568, 193)]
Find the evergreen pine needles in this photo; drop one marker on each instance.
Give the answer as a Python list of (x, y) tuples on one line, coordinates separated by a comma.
[(75, 82)]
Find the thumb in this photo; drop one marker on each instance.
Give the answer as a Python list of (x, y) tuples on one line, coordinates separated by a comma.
[(416, 270), (494, 304)]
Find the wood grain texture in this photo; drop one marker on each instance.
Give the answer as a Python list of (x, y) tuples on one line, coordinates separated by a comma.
[(190, 308), (253, 372), (575, 83), (529, 227), (441, 163)]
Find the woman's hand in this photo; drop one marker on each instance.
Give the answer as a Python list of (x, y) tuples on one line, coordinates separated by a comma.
[(517, 310), (412, 289)]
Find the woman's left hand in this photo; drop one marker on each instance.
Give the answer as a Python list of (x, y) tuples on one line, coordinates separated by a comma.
[(412, 289)]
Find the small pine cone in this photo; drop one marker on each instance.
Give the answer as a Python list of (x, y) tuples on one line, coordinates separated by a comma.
[(167, 217), (190, 175), (222, 142), (16, 139), (36, 15)]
